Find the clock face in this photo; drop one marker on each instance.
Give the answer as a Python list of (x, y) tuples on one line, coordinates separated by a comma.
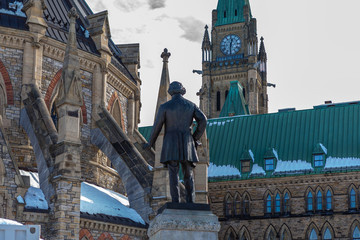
[(230, 44)]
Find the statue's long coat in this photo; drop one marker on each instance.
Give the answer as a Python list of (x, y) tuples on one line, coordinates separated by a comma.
[(177, 115)]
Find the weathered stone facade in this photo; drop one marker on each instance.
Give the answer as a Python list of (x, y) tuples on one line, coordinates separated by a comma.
[(297, 221)]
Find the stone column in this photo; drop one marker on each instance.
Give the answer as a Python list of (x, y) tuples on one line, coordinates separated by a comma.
[(201, 172), (253, 91)]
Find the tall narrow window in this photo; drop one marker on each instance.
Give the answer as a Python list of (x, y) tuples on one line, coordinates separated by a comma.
[(319, 160), (245, 166), (328, 200), (277, 203), (269, 164), (356, 234), (271, 235), (285, 235), (237, 205), (327, 234), (313, 235), (218, 98), (54, 116), (286, 203), (319, 201), (231, 236), (310, 202), (228, 206), (224, 14), (268, 204), (246, 206), (235, 12), (352, 199)]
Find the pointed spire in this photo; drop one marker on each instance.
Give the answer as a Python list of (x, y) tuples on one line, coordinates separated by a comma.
[(235, 102), (262, 53), (70, 84), (163, 95), (206, 39)]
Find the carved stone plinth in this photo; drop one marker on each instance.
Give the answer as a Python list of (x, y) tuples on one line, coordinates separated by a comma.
[(184, 221)]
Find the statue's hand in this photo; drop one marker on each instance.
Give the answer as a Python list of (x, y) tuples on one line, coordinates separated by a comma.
[(197, 142), (146, 146)]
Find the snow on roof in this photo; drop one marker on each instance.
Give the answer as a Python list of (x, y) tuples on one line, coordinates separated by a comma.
[(34, 178), (4, 221), (292, 166), (97, 200), (16, 6), (275, 154), (219, 171), (252, 155), (257, 170), (35, 199), (323, 148), (220, 123), (339, 163)]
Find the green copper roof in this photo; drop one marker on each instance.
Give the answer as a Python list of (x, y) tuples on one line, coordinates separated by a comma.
[(231, 11), (235, 103), (291, 138)]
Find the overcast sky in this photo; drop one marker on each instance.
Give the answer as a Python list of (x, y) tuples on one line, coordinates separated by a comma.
[(312, 46)]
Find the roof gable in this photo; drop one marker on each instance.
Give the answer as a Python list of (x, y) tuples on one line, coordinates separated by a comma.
[(235, 102)]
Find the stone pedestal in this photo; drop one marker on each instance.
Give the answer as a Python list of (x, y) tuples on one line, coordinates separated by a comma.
[(184, 221)]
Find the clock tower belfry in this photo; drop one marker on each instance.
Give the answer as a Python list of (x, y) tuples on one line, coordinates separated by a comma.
[(232, 55)]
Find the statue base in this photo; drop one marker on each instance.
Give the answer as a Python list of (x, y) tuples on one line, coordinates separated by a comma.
[(184, 221)]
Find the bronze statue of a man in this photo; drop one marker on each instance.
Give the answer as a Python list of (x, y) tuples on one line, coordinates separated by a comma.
[(179, 145)]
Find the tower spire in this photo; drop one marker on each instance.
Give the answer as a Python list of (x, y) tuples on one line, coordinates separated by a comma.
[(262, 58), (163, 95), (206, 46)]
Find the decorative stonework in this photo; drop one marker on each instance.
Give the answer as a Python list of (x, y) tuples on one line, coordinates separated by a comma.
[(117, 83), (12, 41), (8, 85)]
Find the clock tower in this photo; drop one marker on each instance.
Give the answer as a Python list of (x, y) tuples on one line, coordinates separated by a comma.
[(232, 55)]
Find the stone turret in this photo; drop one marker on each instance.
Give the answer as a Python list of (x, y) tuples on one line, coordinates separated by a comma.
[(67, 169), (206, 46)]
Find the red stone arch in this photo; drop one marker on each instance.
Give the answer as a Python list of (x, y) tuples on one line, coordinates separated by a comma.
[(8, 86), (115, 97), (50, 90), (85, 233), (105, 236)]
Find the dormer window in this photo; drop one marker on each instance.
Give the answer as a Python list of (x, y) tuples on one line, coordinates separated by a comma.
[(245, 166), (269, 164), (319, 160)]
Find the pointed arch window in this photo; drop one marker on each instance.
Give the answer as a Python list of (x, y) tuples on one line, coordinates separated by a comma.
[(246, 206), (237, 205), (268, 204), (271, 235), (286, 203), (328, 200), (218, 103), (327, 234), (285, 235), (352, 199), (356, 234), (319, 206), (310, 202), (313, 235), (229, 206), (277, 203)]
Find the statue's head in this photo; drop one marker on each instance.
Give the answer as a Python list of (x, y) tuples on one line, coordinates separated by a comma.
[(176, 88)]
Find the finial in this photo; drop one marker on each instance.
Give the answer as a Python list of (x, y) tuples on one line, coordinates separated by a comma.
[(165, 55), (262, 38), (73, 13), (206, 27)]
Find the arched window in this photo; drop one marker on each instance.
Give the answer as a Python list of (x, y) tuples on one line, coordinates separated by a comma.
[(285, 235), (328, 200), (319, 201), (286, 203), (327, 234), (268, 204), (277, 204), (356, 234), (245, 235), (246, 206), (54, 116), (313, 235), (230, 235), (116, 112), (352, 199), (310, 202), (218, 103), (271, 235), (237, 205), (229, 206)]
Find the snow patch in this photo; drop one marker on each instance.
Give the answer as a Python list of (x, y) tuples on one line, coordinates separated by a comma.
[(219, 171), (35, 199), (292, 166), (252, 155), (97, 200), (34, 178), (4, 221), (323, 148), (16, 6), (339, 163), (257, 170), (20, 199), (275, 154)]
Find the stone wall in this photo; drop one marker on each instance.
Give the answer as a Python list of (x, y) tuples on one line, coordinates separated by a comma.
[(123, 100), (339, 219)]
